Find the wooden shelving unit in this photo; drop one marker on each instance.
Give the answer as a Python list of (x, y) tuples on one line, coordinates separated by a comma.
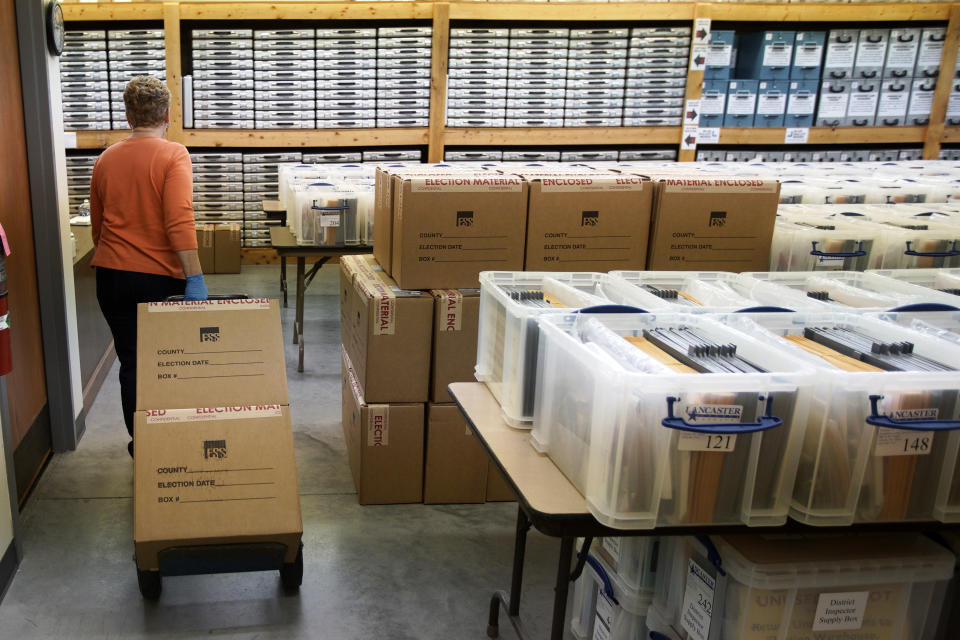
[(440, 14)]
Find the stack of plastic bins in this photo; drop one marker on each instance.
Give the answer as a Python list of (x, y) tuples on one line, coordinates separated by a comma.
[(602, 597), (818, 244), (508, 340), (840, 290), (779, 586), (906, 244), (651, 446), (867, 430), (942, 324), (686, 292)]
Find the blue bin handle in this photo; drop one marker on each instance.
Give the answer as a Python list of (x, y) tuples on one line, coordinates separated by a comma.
[(839, 254), (607, 585), (712, 554), (763, 423), (611, 308), (932, 254), (925, 306), (922, 424), (765, 309)]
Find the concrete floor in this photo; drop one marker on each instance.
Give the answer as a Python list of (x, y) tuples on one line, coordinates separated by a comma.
[(389, 572)]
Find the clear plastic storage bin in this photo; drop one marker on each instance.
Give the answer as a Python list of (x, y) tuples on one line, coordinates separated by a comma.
[(650, 445), (906, 243), (788, 587), (941, 280), (634, 559), (508, 343), (883, 430), (841, 290), (816, 244), (601, 597), (682, 291)]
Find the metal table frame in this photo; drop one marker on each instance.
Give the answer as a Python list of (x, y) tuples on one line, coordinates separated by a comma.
[(286, 247), (580, 524)]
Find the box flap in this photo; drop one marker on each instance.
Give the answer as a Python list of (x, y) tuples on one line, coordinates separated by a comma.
[(210, 354)]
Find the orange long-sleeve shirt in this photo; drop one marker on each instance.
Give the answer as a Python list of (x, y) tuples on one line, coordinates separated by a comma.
[(141, 206)]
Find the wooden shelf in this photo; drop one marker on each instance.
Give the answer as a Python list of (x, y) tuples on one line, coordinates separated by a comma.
[(862, 12), (951, 134), (304, 137), (99, 139), (78, 11), (513, 136), (825, 135), (573, 11), (306, 11)]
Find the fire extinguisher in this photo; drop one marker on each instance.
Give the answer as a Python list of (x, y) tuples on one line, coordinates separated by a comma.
[(6, 355)]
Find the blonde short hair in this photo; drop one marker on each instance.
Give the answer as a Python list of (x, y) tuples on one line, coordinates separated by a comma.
[(147, 101)]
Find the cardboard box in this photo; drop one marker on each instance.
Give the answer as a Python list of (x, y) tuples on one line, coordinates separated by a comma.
[(386, 332), (447, 229), (588, 221), (455, 469), (205, 240), (712, 223), (456, 319), (214, 449), (383, 208), (497, 488), (226, 249), (384, 444)]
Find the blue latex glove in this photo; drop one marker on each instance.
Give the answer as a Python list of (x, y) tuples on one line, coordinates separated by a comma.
[(196, 288)]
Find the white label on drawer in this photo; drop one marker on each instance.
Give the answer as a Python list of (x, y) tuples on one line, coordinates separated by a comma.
[(930, 54), (741, 104), (921, 101), (697, 609), (901, 55), (606, 613), (796, 135), (863, 104), (712, 103), (953, 106), (801, 104), (833, 105), (70, 139), (718, 55), (777, 55), (808, 56), (612, 546), (893, 104), (771, 103), (840, 611), (840, 54), (871, 54)]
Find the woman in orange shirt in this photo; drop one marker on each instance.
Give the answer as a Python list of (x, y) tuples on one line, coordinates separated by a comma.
[(141, 212)]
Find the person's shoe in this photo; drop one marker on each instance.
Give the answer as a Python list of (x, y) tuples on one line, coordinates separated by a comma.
[(130, 448)]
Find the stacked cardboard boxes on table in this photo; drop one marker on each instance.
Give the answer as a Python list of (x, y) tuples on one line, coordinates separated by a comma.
[(410, 312)]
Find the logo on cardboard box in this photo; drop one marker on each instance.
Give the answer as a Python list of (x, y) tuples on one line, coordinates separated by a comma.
[(464, 218), (214, 449), (589, 218), (718, 218), (209, 334)]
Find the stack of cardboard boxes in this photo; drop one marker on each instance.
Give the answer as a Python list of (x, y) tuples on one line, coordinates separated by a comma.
[(409, 313)]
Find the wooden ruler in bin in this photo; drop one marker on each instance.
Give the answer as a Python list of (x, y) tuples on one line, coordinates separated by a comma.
[(855, 351)]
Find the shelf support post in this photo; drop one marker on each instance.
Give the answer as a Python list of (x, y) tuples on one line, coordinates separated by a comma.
[(438, 81), (171, 37), (694, 86)]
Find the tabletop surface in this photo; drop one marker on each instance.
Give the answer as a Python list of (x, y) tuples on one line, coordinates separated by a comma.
[(272, 206), (284, 242), (542, 485)]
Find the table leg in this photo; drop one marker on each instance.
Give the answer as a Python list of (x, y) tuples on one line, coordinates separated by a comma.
[(301, 290), (283, 279), (512, 602), (561, 588)]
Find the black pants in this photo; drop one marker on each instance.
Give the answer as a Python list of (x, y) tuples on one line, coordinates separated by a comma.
[(118, 293)]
